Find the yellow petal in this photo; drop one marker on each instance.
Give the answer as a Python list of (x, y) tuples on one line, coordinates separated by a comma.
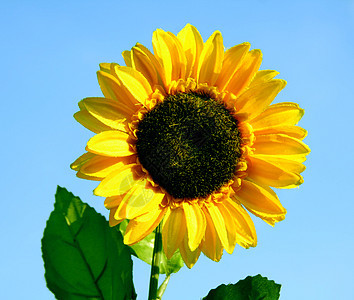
[(255, 100), (112, 220), (219, 224), (109, 112), (105, 106), (173, 230), (87, 177), (127, 58), (76, 165), (261, 201), (90, 122), (140, 227), (230, 227), (279, 144), (293, 131), (192, 44), (244, 75), (232, 61), (110, 143), (263, 76), (134, 82), (182, 61), (266, 173), (286, 113), (189, 257), (211, 245), (195, 224), (170, 55), (138, 201), (286, 164), (101, 166), (246, 232), (153, 60), (113, 88), (142, 63), (113, 202), (296, 158), (107, 67), (117, 183), (211, 58)]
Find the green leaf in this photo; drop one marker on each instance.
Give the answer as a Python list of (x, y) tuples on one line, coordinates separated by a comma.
[(83, 257), (143, 250), (250, 288)]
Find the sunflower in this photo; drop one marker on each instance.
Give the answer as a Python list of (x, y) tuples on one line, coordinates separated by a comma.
[(187, 137)]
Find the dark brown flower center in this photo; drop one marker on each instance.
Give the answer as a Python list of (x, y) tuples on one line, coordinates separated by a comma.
[(190, 144)]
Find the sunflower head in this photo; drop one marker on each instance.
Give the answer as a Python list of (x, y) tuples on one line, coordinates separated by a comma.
[(186, 135)]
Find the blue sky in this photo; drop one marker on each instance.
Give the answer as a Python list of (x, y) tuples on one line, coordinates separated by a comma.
[(50, 51)]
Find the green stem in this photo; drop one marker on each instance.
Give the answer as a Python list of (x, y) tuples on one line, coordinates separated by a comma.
[(155, 265)]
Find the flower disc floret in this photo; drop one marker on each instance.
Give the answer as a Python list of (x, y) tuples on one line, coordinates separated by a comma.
[(190, 144)]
